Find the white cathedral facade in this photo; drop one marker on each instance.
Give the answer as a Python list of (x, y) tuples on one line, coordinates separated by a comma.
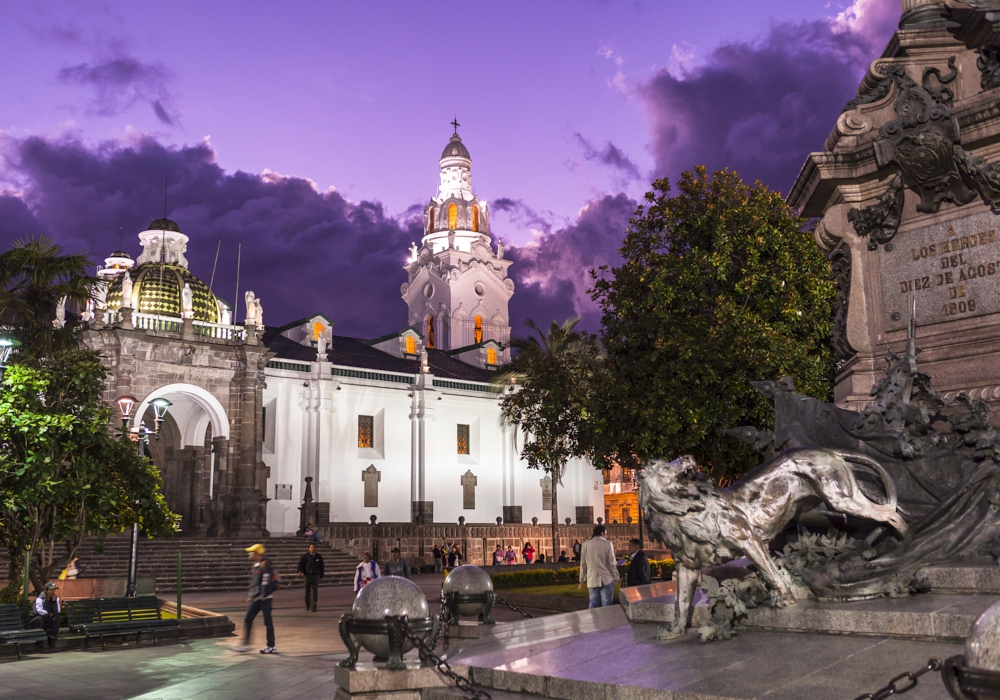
[(405, 427)]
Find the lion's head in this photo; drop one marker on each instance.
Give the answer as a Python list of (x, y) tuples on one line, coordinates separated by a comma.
[(674, 487)]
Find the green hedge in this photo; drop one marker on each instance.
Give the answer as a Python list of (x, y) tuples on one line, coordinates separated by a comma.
[(536, 577)]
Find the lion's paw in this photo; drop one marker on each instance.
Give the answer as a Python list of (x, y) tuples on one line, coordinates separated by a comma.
[(665, 632)]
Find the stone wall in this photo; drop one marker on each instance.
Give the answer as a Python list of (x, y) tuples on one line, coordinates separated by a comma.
[(416, 542)]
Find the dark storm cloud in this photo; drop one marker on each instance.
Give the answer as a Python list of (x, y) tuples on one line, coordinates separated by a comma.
[(552, 273), (761, 106), (611, 156), (304, 251), (121, 81)]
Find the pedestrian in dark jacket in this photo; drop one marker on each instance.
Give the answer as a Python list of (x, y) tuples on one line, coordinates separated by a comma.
[(454, 557), (311, 566), (45, 613), (638, 568), (438, 563), (396, 566), (264, 581)]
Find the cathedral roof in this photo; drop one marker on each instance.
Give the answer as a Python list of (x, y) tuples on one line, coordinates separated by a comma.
[(455, 149), (156, 289), (164, 225)]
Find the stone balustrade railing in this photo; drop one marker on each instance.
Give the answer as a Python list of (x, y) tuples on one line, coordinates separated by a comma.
[(173, 324)]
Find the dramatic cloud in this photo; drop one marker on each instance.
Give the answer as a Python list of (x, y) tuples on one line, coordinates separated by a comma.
[(121, 81), (622, 168), (304, 251), (552, 272), (761, 106)]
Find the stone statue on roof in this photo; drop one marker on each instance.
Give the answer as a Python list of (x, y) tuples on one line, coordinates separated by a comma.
[(187, 302), (251, 316)]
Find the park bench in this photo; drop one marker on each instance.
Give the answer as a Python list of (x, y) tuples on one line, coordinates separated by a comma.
[(12, 629), (98, 617)]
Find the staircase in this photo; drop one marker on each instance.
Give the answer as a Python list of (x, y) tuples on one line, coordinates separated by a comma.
[(208, 564)]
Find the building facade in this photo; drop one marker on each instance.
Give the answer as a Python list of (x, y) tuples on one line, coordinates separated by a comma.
[(271, 427)]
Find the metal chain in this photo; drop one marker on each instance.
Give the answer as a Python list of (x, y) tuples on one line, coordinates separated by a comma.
[(461, 682), (911, 682), (524, 613)]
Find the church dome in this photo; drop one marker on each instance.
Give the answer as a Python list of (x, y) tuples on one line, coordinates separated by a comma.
[(163, 225), (455, 149), (156, 289)]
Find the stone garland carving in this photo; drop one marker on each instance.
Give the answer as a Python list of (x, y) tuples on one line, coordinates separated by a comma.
[(988, 64), (840, 261), (981, 175), (879, 222)]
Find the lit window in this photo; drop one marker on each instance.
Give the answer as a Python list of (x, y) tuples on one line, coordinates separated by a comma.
[(463, 439), (430, 221), (452, 217), (479, 329), (475, 218), (411, 345), (366, 427), (317, 330), (626, 514), (491, 356), (430, 332)]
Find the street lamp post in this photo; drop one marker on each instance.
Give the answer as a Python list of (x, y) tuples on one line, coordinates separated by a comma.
[(125, 405), (7, 346)]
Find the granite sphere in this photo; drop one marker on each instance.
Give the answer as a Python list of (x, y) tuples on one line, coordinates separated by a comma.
[(467, 580), (389, 595), (982, 646)]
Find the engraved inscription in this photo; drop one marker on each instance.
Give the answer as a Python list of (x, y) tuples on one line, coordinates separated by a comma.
[(952, 269)]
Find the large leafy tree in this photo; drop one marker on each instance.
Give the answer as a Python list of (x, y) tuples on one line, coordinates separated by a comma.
[(549, 382), (720, 285), (34, 276), (63, 476)]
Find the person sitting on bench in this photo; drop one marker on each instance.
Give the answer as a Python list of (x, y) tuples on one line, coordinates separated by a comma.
[(45, 613)]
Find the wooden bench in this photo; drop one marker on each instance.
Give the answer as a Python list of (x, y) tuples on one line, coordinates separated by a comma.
[(12, 629), (97, 617)]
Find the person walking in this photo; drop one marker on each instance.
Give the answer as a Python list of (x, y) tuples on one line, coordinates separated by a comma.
[(438, 564), (598, 569), (366, 572), (311, 566), (528, 552), (498, 556), (45, 613), (264, 581), (638, 568), (511, 556), (454, 557), (576, 550), (396, 566)]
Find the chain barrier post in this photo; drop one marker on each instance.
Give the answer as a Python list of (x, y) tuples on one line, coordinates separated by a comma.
[(911, 682), (523, 613), (427, 653)]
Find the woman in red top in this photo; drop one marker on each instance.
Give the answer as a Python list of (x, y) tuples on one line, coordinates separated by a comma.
[(528, 552)]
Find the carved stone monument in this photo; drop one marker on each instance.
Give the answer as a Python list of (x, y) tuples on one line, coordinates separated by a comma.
[(371, 476), (469, 481), (546, 484), (907, 192)]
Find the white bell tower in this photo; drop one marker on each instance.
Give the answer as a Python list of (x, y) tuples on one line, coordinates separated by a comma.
[(458, 289)]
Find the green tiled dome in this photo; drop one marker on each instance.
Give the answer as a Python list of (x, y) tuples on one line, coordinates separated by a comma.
[(157, 289)]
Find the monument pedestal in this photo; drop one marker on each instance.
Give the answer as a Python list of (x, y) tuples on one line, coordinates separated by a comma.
[(370, 681)]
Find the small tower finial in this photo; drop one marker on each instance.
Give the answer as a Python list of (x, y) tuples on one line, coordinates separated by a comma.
[(455, 124)]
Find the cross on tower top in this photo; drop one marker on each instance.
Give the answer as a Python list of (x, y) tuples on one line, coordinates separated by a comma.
[(455, 124)]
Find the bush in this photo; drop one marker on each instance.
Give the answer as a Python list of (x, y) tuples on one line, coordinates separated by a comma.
[(537, 577)]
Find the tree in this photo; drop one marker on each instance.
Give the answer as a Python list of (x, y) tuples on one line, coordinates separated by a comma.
[(552, 377), (720, 285), (63, 476), (34, 277)]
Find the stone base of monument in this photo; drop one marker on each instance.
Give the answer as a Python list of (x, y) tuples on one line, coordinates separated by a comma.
[(370, 681), (469, 629)]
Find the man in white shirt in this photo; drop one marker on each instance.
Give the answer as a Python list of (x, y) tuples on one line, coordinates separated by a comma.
[(599, 568)]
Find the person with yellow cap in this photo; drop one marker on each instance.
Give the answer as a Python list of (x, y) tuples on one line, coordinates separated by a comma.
[(264, 581)]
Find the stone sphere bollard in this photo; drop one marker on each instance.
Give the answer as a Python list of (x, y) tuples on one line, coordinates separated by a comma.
[(977, 673), (468, 591), (373, 623), (982, 646)]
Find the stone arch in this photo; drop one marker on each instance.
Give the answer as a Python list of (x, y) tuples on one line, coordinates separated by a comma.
[(193, 410)]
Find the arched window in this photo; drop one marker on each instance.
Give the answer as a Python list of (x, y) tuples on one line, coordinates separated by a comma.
[(452, 217), (475, 218), (430, 220), (317, 330), (491, 356), (411, 345), (430, 331), (479, 329)]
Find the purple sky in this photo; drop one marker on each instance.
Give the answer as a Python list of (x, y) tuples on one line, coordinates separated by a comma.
[(310, 131)]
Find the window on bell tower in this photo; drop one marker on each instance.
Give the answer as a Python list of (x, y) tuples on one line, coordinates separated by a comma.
[(411, 345), (479, 329), (452, 217), (430, 331), (430, 220), (475, 218)]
